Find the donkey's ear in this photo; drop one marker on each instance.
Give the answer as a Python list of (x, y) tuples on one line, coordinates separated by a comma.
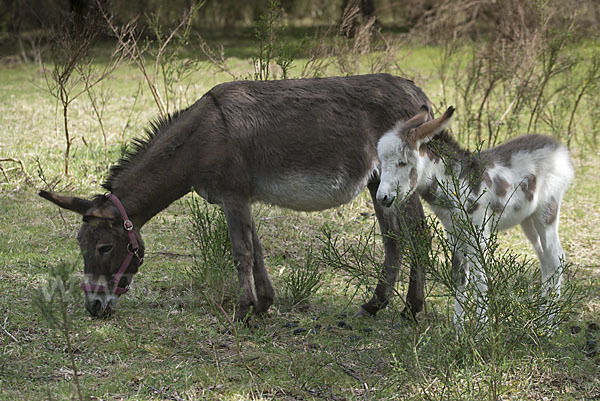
[(92, 213), (106, 213), (428, 130), (78, 205)]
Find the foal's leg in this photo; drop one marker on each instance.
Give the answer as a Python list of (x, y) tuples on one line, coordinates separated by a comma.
[(468, 271), (460, 272), (476, 255), (532, 235), (398, 222), (460, 277), (548, 267), (552, 255), (264, 288), (238, 214)]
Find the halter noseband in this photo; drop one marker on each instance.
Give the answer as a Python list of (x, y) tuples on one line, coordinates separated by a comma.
[(132, 250)]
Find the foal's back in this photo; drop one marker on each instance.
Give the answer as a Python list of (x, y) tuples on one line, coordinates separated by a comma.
[(527, 175)]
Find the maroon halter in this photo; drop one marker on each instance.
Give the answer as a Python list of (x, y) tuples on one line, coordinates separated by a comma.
[(132, 250)]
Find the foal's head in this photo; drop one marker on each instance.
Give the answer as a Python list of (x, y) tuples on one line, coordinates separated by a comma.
[(104, 244), (402, 165)]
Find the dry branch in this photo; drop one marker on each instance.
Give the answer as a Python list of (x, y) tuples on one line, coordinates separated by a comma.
[(14, 160)]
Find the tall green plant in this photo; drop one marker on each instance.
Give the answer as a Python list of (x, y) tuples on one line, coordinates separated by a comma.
[(517, 310), (271, 47), (55, 300), (358, 260), (213, 269)]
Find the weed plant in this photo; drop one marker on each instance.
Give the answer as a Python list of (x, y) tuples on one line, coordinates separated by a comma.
[(358, 260)]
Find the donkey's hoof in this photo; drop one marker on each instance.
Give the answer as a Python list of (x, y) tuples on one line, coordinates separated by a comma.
[(408, 315), (261, 309), (362, 312), (242, 315)]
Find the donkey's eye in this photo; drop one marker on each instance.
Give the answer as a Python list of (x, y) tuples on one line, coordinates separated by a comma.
[(401, 164), (104, 249)]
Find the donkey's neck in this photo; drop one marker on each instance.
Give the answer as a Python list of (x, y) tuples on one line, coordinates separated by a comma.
[(145, 194), (158, 172)]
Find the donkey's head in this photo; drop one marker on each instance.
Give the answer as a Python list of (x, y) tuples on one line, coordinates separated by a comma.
[(402, 166), (112, 251)]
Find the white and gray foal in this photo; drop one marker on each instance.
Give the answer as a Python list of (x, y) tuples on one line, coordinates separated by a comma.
[(520, 182)]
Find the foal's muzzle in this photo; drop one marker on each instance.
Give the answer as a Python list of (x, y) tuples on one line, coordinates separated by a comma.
[(386, 200)]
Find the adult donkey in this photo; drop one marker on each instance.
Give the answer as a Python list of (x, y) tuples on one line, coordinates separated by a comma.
[(305, 144)]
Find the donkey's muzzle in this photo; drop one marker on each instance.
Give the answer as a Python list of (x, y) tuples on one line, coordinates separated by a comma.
[(100, 304)]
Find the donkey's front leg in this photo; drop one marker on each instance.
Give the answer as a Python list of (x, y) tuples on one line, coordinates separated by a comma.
[(238, 214), (552, 264), (262, 282), (398, 224)]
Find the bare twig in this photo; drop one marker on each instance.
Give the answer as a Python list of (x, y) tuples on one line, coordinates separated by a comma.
[(216, 60), (237, 341), (164, 395), (347, 371), (92, 79), (4, 329), (128, 41), (4, 173)]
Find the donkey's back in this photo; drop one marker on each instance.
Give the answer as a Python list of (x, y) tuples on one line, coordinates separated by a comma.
[(311, 144)]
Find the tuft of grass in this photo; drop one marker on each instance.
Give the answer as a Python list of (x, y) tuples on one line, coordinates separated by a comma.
[(301, 281)]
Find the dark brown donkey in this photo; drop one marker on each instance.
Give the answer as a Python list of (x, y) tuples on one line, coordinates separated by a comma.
[(305, 144)]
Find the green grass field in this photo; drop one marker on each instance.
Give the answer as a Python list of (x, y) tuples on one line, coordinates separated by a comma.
[(168, 342)]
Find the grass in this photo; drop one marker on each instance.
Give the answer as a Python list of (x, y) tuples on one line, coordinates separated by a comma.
[(166, 342)]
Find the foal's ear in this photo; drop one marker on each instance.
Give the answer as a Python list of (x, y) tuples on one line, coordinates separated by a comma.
[(428, 130), (418, 118), (77, 205)]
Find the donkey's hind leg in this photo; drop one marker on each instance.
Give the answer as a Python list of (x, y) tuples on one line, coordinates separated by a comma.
[(395, 224), (262, 282), (238, 214)]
